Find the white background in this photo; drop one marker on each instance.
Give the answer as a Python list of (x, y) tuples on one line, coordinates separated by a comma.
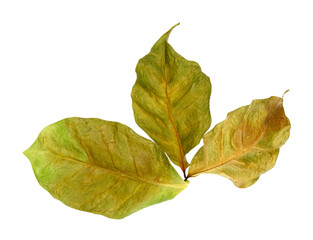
[(61, 59)]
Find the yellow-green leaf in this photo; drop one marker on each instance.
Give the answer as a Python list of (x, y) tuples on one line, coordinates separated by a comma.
[(102, 167), (246, 144), (171, 100)]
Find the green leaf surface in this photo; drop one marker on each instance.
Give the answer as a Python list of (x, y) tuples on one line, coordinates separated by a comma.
[(246, 144), (102, 167), (171, 100)]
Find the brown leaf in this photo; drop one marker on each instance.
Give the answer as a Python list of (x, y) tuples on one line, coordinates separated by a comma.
[(246, 144)]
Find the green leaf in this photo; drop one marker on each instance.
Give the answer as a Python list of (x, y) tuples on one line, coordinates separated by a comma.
[(246, 144), (171, 100), (102, 167)]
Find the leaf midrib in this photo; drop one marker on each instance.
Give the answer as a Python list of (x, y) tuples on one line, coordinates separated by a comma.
[(181, 153), (121, 173)]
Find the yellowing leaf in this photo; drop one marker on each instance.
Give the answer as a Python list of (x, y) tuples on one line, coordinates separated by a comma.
[(102, 167), (171, 100), (246, 144)]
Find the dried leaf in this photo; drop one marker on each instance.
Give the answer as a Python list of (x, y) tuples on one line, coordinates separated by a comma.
[(171, 100), (102, 167), (246, 144)]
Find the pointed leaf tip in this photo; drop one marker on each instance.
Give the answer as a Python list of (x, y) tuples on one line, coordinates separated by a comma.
[(285, 93), (173, 27)]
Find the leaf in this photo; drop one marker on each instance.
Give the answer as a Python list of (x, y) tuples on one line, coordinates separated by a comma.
[(171, 100), (102, 167), (246, 144)]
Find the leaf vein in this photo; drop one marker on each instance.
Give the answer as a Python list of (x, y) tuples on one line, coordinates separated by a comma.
[(123, 174)]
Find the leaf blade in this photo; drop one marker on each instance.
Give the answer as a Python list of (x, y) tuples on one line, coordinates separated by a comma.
[(246, 144), (102, 167), (171, 100)]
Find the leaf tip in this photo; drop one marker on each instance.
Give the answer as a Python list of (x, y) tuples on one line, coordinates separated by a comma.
[(169, 31), (285, 93), (176, 24)]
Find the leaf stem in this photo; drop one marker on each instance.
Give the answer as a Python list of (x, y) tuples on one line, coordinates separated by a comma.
[(185, 176)]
